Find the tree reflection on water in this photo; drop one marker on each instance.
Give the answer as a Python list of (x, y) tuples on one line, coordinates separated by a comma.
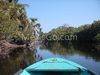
[(70, 49), (18, 59)]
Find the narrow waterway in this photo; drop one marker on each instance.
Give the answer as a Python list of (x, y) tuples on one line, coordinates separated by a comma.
[(23, 57)]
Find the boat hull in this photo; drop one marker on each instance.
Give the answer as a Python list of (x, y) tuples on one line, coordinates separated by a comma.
[(54, 66)]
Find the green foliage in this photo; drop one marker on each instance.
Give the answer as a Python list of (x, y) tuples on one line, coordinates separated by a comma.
[(97, 36), (12, 17), (89, 32), (60, 34), (84, 33)]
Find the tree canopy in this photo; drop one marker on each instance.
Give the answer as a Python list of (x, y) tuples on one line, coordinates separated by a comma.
[(14, 22), (84, 33)]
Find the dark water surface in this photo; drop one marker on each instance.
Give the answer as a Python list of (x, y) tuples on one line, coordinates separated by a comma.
[(84, 55)]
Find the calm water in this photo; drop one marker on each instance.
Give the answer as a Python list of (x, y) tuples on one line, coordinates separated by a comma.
[(81, 54)]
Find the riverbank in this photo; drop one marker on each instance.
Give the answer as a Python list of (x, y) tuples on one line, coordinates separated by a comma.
[(6, 47)]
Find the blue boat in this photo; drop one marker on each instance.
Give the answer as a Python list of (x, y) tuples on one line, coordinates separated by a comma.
[(55, 66)]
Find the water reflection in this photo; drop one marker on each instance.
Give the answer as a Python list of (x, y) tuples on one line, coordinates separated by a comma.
[(57, 48), (72, 49), (18, 59), (83, 54)]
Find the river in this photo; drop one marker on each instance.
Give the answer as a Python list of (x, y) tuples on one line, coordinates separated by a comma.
[(21, 58)]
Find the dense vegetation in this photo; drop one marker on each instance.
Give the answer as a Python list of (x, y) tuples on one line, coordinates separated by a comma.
[(89, 33), (14, 23), (17, 30), (85, 33)]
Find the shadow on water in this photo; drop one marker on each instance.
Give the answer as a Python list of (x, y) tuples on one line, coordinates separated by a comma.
[(83, 54), (86, 50), (18, 59)]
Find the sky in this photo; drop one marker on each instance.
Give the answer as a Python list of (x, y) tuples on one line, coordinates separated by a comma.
[(54, 13)]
